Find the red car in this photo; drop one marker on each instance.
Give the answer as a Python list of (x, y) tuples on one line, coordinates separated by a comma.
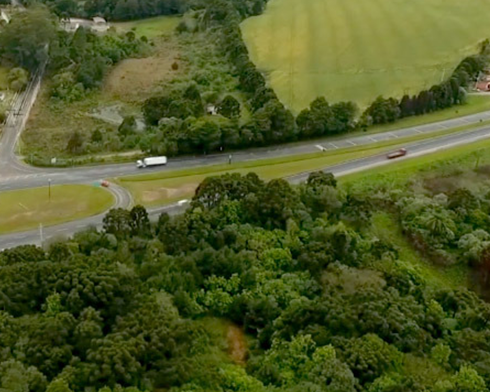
[(104, 183), (397, 154)]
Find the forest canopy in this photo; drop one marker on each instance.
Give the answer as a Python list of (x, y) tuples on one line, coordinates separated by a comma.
[(324, 303)]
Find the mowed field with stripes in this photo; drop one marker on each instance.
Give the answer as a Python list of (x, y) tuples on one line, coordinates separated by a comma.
[(359, 49)]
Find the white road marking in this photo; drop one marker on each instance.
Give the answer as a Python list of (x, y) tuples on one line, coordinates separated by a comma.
[(351, 142), (334, 146), (321, 148)]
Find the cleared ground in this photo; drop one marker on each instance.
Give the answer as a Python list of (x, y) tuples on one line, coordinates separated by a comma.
[(357, 50), (26, 209), (134, 80)]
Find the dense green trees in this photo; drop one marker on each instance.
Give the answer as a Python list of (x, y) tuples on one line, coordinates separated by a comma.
[(25, 40), (326, 308), (117, 9)]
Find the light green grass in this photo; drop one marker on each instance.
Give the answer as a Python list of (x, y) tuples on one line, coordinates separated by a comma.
[(357, 50), (166, 187), (151, 27), (26, 209)]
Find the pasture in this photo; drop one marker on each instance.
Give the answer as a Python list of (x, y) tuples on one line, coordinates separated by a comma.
[(359, 49)]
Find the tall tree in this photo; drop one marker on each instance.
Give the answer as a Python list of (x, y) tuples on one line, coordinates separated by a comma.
[(25, 40)]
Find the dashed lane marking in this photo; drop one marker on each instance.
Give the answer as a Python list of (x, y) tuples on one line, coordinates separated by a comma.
[(334, 146)]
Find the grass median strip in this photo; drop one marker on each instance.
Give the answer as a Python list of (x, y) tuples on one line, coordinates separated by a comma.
[(169, 186), (25, 209)]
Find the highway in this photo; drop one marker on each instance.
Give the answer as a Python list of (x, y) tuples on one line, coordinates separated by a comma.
[(16, 175)]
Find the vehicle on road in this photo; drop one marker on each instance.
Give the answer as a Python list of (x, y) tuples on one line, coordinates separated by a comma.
[(397, 154), (104, 183), (152, 161)]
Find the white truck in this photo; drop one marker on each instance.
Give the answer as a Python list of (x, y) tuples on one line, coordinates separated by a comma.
[(152, 161)]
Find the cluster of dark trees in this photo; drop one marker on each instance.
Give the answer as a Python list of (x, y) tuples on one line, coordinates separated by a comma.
[(25, 40), (117, 9), (440, 96), (326, 304)]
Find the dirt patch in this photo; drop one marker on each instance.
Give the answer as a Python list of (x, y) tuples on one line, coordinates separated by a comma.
[(167, 193), (135, 79), (237, 345)]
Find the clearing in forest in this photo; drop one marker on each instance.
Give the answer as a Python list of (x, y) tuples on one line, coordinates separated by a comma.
[(359, 49)]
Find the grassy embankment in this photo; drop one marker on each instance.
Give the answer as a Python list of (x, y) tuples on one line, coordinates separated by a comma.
[(26, 209), (377, 53), (167, 187)]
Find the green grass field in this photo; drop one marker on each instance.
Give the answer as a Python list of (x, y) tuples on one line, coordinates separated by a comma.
[(151, 27), (357, 50), (26, 209)]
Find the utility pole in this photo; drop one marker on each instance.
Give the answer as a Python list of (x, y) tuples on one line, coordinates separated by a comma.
[(49, 189), (41, 233)]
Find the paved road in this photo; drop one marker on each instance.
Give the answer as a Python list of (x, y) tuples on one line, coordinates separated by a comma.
[(415, 149), (20, 176), (14, 125), (16, 175)]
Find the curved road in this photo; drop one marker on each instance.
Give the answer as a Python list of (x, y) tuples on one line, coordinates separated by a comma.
[(16, 175)]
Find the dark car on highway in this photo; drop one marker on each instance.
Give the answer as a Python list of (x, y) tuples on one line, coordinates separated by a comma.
[(397, 154)]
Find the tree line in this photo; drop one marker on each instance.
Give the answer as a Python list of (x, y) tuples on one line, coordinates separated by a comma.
[(326, 304), (116, 9), (271, 122), (449, 93)]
